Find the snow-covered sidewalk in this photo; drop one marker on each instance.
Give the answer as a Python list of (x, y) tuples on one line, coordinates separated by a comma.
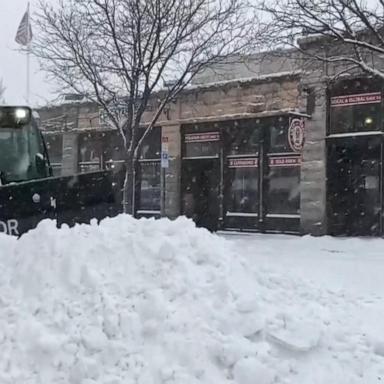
[(351, 264), (154, 302), (350, 269)]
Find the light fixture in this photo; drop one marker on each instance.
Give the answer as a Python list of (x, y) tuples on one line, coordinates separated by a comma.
[(14, 117), (21, 113), (368, 120)]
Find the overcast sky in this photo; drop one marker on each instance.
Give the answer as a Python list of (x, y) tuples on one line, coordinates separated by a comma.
[(13, 63)]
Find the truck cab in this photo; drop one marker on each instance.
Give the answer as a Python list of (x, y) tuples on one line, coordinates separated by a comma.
[(23, 154)]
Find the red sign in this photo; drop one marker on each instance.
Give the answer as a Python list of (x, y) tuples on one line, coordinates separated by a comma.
[(362, 98), (202, 137), (243, 163), (296, 135), (285, 161)]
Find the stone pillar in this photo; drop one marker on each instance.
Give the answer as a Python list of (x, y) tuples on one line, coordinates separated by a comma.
[(70, 154), (313, 169), (173, 173)]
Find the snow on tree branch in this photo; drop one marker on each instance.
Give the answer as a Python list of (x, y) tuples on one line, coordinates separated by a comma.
[(349, 32)]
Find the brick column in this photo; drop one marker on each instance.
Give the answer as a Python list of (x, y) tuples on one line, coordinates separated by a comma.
[(313, 169), (70, 154), (173, 173)]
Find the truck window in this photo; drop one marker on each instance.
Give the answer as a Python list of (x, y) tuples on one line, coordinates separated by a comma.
[(19, 149)]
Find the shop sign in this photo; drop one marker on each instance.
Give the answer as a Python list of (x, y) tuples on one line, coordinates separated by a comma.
[(164, 160), (202, 137), (243, 163), (362, 98), (296, 135), (285, 161), (164, 152)]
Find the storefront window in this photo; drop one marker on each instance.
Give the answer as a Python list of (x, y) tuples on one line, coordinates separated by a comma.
[(243, 137), (149, 198), (284, 185), (355, 106), (355, 118), (201, 140), (251, 156), (90, 152), (113, 147), (202, 144), (151, 147), (149, 172), (243, 196), (278, 133)]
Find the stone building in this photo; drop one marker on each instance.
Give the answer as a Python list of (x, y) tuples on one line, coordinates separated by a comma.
[(276, 144)]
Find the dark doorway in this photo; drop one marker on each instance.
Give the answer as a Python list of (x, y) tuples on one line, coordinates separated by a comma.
[(200, 192), (354, 203)]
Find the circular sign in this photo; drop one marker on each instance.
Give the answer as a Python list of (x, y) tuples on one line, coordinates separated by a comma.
[(296, 135)]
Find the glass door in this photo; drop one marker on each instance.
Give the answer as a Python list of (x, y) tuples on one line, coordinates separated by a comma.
[(354, 184), (242, 176), (282, 173), (200, 192), (201, 174)]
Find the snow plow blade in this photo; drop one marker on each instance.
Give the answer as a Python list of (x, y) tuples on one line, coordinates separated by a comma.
[(69, 200)]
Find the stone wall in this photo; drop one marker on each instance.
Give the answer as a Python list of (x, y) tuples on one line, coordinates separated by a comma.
[(313, 168), (67, 117), (171, 134), (258, 95), (264, 63)]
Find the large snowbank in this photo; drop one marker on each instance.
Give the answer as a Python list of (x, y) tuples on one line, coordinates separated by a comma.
[(152, 302)]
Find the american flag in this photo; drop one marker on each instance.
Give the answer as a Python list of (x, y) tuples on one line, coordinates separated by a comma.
[(24, 32)]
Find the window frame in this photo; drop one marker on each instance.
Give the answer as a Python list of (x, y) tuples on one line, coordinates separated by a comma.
[(281, 163), (154, 143), (140, 210), (249, 163), (345, 93)]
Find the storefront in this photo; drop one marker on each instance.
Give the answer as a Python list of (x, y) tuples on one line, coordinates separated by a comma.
[(355, 158), (104, 150), (99, 150), (148, 185), (243, 174)]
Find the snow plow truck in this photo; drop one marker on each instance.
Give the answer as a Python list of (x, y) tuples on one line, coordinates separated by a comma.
[(30, 193)]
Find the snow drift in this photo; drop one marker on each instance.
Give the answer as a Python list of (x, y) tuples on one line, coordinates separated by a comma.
[(148, 302)]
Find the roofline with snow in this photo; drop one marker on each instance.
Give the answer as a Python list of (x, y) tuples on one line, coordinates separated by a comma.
[(243, 81)]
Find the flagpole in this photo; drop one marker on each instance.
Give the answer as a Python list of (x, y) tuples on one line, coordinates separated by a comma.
[(28, 56)]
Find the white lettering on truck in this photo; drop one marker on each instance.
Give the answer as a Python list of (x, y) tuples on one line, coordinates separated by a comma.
[(11, 227)]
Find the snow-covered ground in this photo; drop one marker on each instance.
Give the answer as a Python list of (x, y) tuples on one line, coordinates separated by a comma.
[(153, 302), (350, 264)]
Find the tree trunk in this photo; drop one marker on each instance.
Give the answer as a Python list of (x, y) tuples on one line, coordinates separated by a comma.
[(129, 185)]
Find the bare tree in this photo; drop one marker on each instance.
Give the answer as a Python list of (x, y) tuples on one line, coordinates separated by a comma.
[(348, 34), (123, 50)]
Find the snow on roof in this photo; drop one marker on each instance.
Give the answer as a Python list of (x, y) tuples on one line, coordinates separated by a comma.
[(266, 77), (234, 116)]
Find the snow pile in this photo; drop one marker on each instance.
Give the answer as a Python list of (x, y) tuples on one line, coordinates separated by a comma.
[(153, 302)]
